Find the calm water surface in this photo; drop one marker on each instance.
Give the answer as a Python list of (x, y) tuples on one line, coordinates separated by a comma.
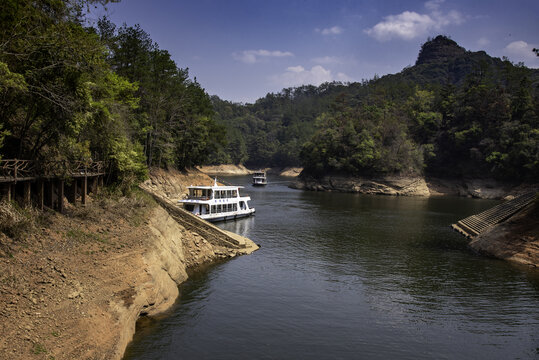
[(343, 276)]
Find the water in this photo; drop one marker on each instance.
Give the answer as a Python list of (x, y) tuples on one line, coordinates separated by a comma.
[(343, 276)]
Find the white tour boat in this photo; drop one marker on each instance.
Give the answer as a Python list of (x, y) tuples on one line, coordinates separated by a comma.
[(259, 178), (216, 203)]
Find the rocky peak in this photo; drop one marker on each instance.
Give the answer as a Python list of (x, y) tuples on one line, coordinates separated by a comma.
[(439, 49)]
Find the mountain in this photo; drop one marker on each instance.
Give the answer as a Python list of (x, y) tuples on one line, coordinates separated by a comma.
[(454, 113), (441, 61)]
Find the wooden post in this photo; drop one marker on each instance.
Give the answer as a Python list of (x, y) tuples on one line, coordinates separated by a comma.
[(72, 191), (26, 193), (84, 189), (40, 194), (49, 194), (61, 196), (8, 192), (93, 185)]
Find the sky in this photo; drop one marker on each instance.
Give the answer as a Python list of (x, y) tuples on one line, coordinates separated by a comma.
[(240, 50)]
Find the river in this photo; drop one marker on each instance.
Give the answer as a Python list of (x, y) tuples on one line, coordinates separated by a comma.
[(346, 276)]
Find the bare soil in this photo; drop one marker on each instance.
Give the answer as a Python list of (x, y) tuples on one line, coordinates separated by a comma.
[(516, 239), (60, 277), (72, 285)]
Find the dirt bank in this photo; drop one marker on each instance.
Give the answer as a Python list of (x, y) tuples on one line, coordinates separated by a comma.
[(230, 170), (290, 171), (516, 239), (74, 286), (227, 169), (413, 186)]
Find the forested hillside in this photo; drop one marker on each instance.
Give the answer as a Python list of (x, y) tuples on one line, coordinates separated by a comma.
[(73, 92), (454, 113)]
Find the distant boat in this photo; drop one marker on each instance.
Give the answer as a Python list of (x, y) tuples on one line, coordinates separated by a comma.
[(217, 203), (259, 178)]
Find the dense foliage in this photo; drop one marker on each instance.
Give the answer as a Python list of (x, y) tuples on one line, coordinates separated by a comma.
[(69, 92), (454, 113)]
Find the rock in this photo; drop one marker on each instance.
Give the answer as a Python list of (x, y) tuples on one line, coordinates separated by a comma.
[(73, 295), (407, 186)]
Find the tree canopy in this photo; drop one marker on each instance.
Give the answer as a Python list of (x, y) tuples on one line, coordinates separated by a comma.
[(71, 92)]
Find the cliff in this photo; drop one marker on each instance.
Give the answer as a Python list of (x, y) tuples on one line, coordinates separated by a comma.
[(74, 285)]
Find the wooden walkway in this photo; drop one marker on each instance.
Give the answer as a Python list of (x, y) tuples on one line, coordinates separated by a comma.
[(43, 183), (476, 224)]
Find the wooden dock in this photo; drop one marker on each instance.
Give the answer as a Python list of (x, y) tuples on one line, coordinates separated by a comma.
[(476, 224), (46, 183)]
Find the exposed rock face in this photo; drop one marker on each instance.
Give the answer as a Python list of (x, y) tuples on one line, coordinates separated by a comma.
[(291, 172), (439, 49), (413, 186), (383, 186), (172, 251), (516, 239), (476, 188)]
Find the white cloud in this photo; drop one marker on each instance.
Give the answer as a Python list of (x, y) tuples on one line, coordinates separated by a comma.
[(521, 50), (483, 41), (298, 75), (328, 60), (335, 30), (410, 24), (253, 56), (434, 5)]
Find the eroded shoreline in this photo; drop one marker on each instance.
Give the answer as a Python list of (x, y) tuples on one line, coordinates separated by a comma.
[(75, 288)]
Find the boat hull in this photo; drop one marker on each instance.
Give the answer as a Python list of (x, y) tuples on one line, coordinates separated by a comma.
[(228, 217)]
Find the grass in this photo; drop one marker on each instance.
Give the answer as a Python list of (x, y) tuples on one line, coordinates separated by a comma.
[(15, 221), (133, 206), (38, 349), (83, 236)]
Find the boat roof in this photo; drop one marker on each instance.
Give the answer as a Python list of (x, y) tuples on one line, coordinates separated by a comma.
[(215, 187)]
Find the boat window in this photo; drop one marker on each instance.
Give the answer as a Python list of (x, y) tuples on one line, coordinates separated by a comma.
[(219, 208), (203, 194), (213, 209), (235, 207), (234, 193), (189, 207)]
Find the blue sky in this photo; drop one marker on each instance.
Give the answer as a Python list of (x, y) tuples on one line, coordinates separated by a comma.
[(240, 50)]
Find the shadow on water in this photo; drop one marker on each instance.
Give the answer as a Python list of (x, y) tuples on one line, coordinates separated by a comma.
[(342, 274)]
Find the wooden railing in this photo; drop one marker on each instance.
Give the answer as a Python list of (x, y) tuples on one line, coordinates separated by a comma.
[(14, 169), (17, 169)]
